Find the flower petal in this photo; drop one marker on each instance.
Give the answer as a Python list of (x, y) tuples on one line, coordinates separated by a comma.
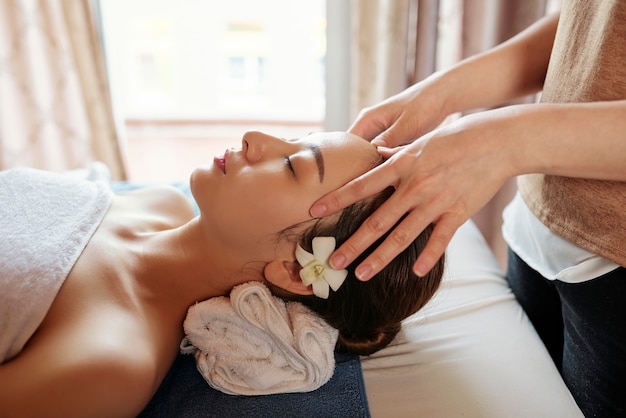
[(307, 275), (335, 278), (315, 269), (304, 277), (321, 289), (323, 247), (303, 256)]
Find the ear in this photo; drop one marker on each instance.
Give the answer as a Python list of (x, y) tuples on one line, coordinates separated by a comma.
[(286, 275)]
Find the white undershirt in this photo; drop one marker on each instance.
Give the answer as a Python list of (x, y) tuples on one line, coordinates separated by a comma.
[(549, 254)]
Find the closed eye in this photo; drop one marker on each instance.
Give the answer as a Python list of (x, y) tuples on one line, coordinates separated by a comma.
[(289, 165)]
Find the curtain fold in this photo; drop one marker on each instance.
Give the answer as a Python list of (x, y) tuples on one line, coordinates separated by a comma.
[(397, 43), (55, 106), (379, 52), (422, 36)]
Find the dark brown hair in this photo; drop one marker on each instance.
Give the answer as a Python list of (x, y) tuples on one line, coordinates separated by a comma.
[(369, 314)]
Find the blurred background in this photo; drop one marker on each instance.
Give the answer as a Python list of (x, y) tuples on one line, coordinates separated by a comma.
[(154, 88), (188, 77)]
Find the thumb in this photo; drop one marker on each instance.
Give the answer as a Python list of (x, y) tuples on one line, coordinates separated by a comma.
[(387, 152), (402, 132), (388, 138), (365, 128)]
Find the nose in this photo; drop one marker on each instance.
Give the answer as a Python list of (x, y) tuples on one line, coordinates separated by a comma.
[(257, 144)]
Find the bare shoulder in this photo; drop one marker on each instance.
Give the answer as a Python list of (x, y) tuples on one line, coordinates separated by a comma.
[(164, 205), (100, 377), (160, 196)]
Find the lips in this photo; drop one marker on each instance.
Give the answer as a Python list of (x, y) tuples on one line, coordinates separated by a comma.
[(220, 162)]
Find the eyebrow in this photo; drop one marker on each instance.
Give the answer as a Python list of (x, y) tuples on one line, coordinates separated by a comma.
[(319, 159)]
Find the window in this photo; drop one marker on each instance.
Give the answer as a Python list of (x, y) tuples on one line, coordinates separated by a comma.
[(189, 77)]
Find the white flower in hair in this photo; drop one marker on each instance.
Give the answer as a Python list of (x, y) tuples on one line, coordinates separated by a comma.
[(315, 268)]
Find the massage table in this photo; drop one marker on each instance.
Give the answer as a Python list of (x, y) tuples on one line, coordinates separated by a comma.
[(470, 352)]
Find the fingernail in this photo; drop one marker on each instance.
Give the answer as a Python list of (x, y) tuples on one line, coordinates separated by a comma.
[(364, 273), (379, 142), (420, 270), (318, 211), (337, 261)]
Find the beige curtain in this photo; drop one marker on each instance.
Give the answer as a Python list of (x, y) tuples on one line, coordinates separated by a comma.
[(399, 42), (379, 51), (55, 107)]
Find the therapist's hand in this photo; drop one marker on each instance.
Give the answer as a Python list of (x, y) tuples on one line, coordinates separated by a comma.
[(442, 178), (401, 118)]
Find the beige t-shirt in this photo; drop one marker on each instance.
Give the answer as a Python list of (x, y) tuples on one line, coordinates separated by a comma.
[(588, 63)]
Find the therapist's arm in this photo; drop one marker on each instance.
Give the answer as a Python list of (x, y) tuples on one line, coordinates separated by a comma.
[(449, 174), (514, 69)]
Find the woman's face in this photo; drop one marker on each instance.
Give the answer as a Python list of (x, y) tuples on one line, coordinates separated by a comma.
[(250, 195)]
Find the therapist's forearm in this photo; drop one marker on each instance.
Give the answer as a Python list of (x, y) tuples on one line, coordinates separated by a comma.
[(583, 140), (514, 69)]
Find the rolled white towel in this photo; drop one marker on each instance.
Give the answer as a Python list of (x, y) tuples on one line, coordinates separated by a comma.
[(254, 343)]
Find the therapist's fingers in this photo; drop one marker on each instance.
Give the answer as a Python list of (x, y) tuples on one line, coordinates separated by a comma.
[(387, 127), (376, 225), (397, 240), (389, 124), (367, 129), (405, 233), (358, 189), (402, 131), (370, 122), (441, 236), (386, 152)]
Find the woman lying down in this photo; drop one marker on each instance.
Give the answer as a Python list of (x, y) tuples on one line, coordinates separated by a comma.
[(96, 286)]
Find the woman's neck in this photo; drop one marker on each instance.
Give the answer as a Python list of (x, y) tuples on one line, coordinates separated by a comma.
[(182, 266)]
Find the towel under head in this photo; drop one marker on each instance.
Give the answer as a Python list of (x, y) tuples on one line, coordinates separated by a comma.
[(253, 343)]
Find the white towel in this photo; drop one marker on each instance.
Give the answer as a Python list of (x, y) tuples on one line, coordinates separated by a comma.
[(254, 343), (46, 219)]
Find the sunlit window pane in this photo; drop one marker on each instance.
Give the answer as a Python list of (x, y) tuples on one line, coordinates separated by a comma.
[(221, 60)]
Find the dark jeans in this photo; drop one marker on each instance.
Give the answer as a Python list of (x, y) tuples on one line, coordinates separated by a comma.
[(583, 326)]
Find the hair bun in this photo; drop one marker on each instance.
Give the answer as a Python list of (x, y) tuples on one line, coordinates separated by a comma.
[(365, 345)]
